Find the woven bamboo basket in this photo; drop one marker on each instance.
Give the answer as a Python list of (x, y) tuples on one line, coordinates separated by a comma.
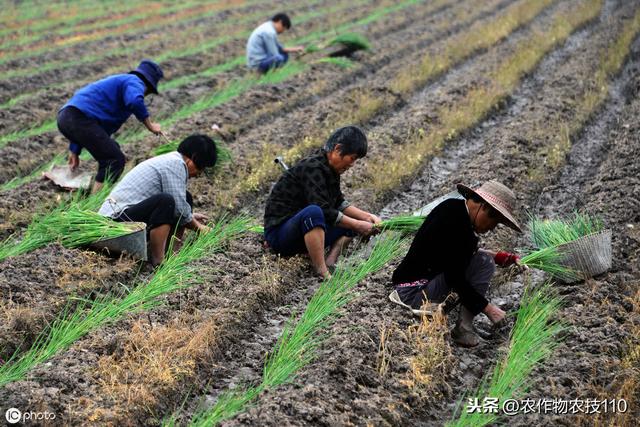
[(588, 256)]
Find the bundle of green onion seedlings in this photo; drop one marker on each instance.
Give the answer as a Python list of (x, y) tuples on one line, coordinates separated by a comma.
[(43, 228), (549, 260), (553, 232), (402, 223), (78, 227), (352, 40)]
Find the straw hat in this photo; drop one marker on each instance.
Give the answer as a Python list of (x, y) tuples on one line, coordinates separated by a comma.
[(499, 196)]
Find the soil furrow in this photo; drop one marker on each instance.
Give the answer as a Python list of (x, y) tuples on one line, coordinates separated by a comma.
[(129, 26), (140, 150), (61, 77), (167, 104), (341, 368)]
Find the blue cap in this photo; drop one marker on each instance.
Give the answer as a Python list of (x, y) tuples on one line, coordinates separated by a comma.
[(150, 72)]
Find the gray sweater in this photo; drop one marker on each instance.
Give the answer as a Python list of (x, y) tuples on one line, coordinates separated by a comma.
[(262, 44)]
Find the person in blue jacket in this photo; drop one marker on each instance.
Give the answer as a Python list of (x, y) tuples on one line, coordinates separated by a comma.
[(98, 110)]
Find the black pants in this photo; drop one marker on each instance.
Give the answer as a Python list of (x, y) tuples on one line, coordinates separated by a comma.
[(87, 133), (479, 273), (155, 211)]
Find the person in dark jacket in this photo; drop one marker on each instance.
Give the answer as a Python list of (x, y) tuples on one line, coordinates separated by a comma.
[(306, 210), (444, 256), (99, 109)]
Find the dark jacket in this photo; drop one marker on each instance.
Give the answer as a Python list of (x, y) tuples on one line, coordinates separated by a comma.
[(310, 182), (445, 244)]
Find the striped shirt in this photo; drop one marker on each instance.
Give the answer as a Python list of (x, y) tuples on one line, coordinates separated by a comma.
[(161, 174)]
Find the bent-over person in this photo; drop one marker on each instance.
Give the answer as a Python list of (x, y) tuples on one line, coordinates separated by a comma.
[(155, 192), (99, 109), (264, 51), (444, 257), (306, 211)]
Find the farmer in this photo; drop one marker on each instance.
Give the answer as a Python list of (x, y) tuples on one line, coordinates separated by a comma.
[(97, 110), (263, 49), (306, 211), (155, 192), (444, 256)]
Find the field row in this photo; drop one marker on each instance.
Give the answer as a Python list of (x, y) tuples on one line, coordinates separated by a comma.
[(142, 366)]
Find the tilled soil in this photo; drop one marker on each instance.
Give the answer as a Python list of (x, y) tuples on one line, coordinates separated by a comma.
[(343, 385), (249, 294), (239, 112), (42, 148)]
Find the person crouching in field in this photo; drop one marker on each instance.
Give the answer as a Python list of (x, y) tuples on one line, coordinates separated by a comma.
[(264, 51), (444, 256), (155, 192), (306, 211), (99, 109)]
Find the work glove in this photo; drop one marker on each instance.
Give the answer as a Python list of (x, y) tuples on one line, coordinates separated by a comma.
[(505, 259)]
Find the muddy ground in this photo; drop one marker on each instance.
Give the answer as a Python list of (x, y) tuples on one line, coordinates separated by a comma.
[(346, 377), (247, 294), (244, 113)]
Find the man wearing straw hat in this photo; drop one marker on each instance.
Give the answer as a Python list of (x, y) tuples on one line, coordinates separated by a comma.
[(444, 257)]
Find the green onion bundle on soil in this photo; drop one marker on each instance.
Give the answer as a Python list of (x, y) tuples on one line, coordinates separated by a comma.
[(352, 41), (173, 274), (72, 216), (547, 233), (533, 338), (402, 223), (298, 344), (74, 228)]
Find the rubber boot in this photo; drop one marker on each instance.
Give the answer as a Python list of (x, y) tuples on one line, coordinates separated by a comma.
[(463, 333)]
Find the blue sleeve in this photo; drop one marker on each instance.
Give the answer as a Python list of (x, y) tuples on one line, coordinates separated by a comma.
[(75, 148), (134, 100)]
